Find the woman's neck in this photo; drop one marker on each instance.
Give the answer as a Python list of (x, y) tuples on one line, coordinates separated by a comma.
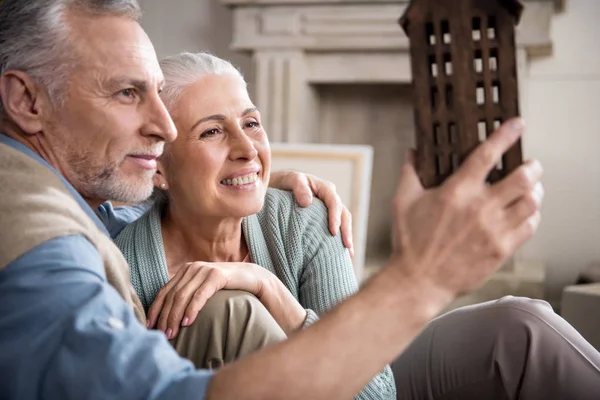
[(190, 238)]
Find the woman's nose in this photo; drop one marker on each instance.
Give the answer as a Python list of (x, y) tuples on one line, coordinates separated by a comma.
[(242, 146)]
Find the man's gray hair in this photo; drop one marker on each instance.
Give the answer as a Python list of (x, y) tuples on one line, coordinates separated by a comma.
[(34, 36), (185, 68)]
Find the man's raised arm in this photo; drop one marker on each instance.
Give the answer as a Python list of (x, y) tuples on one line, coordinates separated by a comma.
[(446, 241)]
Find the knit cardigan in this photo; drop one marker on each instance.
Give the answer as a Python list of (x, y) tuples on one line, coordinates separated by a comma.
[(292, 242)]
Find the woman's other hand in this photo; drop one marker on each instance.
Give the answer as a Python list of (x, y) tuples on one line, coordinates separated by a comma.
[(304, 186)]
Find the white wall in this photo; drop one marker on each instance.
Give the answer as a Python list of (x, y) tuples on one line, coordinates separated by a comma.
[(563, 108), (192, 25), (563, 132)]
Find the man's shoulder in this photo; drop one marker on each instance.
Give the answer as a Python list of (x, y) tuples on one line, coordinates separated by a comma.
[(67, 321), (35, 206), (53, 254)]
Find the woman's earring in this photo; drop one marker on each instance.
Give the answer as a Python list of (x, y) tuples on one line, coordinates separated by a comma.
[(163, 186)]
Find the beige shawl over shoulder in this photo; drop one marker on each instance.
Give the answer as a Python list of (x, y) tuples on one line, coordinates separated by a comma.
[(35, 206)]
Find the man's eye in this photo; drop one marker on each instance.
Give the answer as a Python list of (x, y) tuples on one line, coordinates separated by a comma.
[(252, 124), (127, 92)]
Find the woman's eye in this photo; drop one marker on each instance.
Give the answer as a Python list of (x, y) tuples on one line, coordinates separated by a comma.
[(252, 124), (209, 133)]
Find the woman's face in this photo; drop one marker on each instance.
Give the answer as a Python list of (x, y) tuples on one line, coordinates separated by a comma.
[(219, 164)]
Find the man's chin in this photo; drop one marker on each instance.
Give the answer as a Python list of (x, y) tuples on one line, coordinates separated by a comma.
[(132, 198), (130, 190)]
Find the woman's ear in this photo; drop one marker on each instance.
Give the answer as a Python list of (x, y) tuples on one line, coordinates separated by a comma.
[(23, 100), (159, 179)]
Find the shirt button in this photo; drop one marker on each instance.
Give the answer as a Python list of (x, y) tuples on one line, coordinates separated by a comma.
[(115, 323)]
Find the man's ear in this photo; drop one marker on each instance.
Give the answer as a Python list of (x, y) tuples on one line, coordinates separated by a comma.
[(22, 99)]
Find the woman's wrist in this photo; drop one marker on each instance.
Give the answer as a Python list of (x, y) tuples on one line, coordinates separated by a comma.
[(282, 305)]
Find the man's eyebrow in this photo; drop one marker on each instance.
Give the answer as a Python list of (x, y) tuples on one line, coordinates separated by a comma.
[(138, 84)]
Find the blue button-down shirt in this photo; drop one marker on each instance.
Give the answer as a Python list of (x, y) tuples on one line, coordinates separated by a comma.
[(65, 333)]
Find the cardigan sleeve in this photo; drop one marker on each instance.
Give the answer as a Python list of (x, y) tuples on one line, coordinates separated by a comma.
[(327, 276), (326, 279)]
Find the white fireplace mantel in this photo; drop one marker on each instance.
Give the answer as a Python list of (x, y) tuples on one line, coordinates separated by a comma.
[(297, 44), (330, 25)]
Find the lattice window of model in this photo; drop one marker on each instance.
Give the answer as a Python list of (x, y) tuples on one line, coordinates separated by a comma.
[(463, 63)]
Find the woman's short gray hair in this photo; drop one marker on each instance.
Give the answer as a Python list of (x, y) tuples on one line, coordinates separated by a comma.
[(34, 36), (185, 68)]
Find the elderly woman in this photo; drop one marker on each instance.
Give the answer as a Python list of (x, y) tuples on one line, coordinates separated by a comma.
[(215, 207)]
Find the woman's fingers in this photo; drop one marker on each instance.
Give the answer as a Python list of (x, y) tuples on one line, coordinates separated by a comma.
[(205, 280), (199, 299), (297, 182), (159, 301), (155, 308), (180, 299), (179, 302), (346, 229), (326, 191), (177, 294)]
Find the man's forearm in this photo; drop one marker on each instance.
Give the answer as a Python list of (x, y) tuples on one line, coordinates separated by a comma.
[(338, 355)]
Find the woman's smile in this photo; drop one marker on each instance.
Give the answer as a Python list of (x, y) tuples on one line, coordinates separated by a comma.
[(244, 182)]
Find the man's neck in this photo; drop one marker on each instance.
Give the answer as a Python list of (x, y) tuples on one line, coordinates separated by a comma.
[(35, 144), (23, 139)]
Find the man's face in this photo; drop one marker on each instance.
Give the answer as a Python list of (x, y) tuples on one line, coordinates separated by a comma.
[(112, 124)]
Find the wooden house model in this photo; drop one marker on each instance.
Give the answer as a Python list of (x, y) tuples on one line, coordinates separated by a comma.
[(463, 62)]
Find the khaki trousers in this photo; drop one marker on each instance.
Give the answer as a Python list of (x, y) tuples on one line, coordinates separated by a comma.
[(512, 348), (232, 324)]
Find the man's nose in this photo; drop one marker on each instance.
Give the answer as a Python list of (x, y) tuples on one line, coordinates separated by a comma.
[(160, 123)]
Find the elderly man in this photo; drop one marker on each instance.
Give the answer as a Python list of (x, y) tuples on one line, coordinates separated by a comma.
[(82, 122)]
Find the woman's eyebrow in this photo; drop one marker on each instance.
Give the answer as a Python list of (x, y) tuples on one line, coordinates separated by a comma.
[(221, 117), (249, 110), (216, 117)]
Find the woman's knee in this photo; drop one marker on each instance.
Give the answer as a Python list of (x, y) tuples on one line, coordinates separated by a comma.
[(231, 324), (223, 301), (240, 313)]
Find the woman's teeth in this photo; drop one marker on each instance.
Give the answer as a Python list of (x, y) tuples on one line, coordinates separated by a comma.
[(241, 180)]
